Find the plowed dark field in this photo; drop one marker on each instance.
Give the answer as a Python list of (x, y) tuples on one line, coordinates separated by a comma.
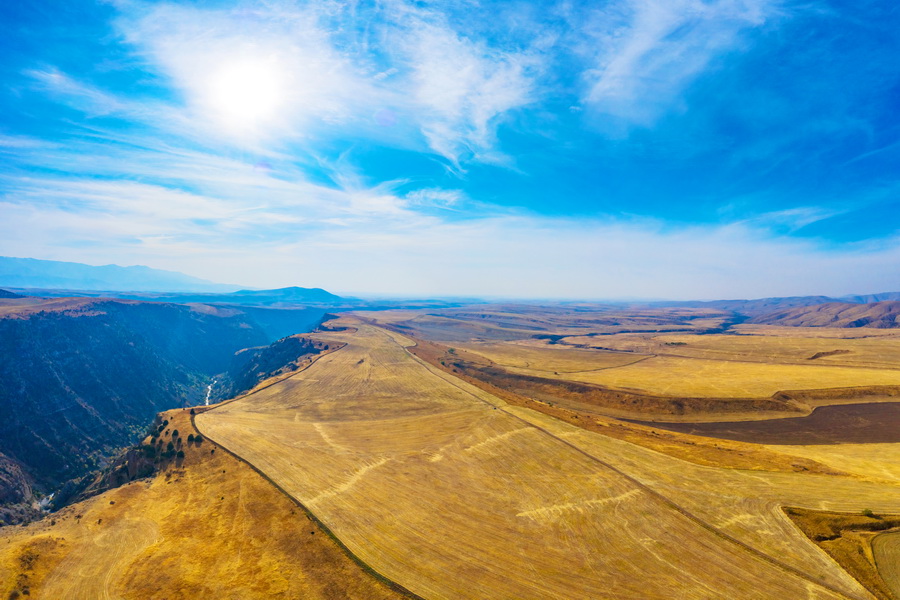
[(844, 424)]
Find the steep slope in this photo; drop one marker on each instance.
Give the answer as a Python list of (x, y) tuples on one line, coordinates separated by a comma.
[(252, 365), (881, 315), (80, 379), (205, 526)]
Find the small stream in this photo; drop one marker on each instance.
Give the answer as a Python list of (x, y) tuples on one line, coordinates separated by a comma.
[(209, 391)]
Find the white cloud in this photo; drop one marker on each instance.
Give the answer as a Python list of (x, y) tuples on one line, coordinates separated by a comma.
[(365, 240), (645, 53), (281, 72), (461, 86), (89, 99)]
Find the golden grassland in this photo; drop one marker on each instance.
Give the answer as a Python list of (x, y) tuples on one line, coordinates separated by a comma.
[(207, 527), (782, 346), (697, 377), (519, 322), (454, 493), (706, 366), (693, 448), (877, 462), (540, 358)]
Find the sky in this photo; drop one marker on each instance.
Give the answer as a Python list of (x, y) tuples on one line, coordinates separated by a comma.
[(679, 149)]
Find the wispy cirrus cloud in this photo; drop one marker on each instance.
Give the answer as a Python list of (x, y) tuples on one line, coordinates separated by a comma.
[(406, 77), (645, 53)]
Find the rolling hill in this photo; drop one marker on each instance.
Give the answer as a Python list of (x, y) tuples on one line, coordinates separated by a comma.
[(881, 315)]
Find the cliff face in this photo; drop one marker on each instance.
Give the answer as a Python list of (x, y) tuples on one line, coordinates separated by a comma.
[(78, 383), (16, 498)]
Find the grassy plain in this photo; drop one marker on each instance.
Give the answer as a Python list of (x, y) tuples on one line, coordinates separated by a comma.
[(541, 358), (437, 484), (802, 346), (207, 527), (698, 377), (750, 361)]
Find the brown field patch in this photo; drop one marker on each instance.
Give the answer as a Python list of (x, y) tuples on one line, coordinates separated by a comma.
[(868, 423)]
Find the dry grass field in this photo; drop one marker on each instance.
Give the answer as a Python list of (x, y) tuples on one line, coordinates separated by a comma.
[(541, 358), (208, 527), (886, 548), (453, 493), (696, 377), (781, 345), (581, 346), (877, 462), (496, 322)]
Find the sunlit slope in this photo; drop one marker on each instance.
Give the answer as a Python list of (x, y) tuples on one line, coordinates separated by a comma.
[(440, 487), (742, 504), (207, 527)]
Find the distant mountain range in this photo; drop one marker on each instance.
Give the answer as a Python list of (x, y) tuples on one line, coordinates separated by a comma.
[(882, 315), (765, 306), (51, 274)]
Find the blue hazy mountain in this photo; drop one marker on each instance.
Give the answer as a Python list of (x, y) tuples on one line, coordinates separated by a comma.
[(51, 274)]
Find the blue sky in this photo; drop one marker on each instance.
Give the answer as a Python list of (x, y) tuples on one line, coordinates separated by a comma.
[(634, 148)]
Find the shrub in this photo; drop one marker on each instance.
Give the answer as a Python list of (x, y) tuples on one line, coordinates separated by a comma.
[(867, 512), (180, 454)]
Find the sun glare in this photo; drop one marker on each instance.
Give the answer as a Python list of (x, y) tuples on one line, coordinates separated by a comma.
[(247, 94)]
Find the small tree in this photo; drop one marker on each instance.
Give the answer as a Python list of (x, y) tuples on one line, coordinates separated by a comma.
[(190, 438), (180, 454)]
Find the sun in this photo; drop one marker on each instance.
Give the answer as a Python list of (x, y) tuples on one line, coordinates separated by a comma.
[(246, 94)]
